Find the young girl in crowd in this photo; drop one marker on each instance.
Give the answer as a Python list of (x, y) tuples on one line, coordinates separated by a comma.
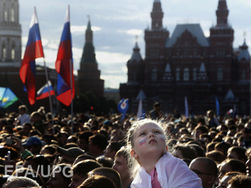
[(158, 168)]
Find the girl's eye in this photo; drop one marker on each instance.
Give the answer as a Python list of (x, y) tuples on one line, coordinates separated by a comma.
[(157, 132), (142, 134)]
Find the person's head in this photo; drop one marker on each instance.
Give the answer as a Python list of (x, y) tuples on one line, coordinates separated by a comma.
[(19, 182), (83, 157), (60, 176), (34, 144), (29, 173), (206, 169), (83, 139), (248, 162), (239, 181), (35, 117), (210, 113), (107, 172), (236, 152), (70, 154), (22, 109), (231, 165), (62, 138), (199, 150), (122, 164), (223, 147), (184, 152), (223, 182), (97, 181), (199, 129), (27, 127), (49, 149), (156, 106), (216, 156), (105, 161), (97, 144), (147, 141), (210, 146), (112, 148), (80, 171)]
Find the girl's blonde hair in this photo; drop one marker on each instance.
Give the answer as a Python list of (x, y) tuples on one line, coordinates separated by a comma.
[(136, 125), (130, 138)]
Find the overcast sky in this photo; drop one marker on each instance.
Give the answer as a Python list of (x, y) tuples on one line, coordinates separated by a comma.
[(116, 23)]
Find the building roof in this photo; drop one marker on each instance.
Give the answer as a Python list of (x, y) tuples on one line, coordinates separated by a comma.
[(194, 29), (136, 56), (244, 53)]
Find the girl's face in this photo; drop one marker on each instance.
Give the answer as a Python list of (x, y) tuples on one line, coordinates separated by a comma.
[(149, 139)]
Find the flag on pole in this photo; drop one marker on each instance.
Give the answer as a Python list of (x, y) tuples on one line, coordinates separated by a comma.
[(33, 51), (140, 97), (123, 107), (186, 108), (217, 105), (140, 113), (64, 65), (7, 97), (45, 91)]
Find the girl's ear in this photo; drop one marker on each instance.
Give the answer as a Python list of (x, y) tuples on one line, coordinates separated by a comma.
[(133, 154)]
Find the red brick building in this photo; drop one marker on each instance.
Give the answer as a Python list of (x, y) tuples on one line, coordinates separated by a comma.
[(186, 63)]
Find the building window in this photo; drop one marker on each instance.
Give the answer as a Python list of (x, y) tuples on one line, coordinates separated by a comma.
[(220, 74), (4, 53), (220, 52), (134, 76), (177, 74), (194, 74), (243, 75), (13, 54), (5, 15), (12, 15), (154, 74), (154, 52), (186, 74)]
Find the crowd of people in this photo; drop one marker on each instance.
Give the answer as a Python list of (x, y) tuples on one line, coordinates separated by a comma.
[(39, 149)]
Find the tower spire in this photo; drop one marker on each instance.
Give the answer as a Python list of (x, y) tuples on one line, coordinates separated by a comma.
[(222, 13), (88, 55), (157, 15), (89, 34)]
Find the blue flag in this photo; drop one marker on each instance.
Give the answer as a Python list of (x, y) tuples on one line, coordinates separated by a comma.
[(186, 107), (123, 107), (7, 97), (217, 105)]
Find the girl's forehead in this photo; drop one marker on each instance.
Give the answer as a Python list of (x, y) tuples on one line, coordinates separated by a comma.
[(149, 125)]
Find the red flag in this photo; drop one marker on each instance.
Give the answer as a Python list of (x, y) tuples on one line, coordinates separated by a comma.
[(33, 50), (64, 66)]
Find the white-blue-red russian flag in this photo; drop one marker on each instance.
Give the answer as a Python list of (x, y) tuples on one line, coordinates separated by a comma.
[(64, 65), (45, 91), (33, 50)]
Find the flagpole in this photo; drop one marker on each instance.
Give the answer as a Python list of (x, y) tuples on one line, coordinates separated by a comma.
[(249, 91), (71, 74), (47, 83), (71, 89)]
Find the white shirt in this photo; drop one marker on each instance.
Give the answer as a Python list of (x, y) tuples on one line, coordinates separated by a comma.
[(172, 173), (24, 118)]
